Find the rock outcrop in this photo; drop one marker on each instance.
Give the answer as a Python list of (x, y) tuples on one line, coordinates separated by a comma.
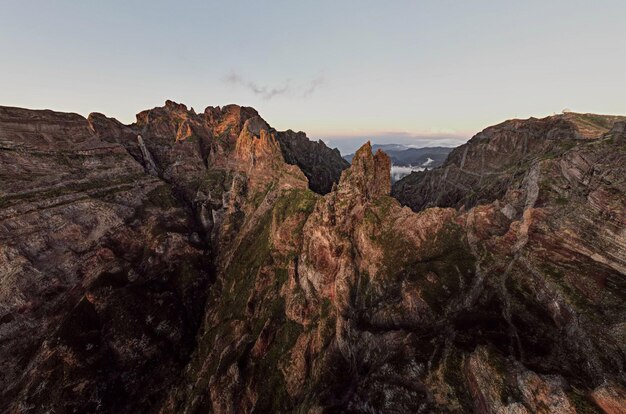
[(483, 169), (101, 278), (321, 165), (376, 308), (194, 269), (109, 236)]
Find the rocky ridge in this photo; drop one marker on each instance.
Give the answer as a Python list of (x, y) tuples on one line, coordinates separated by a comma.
[(109, 236), (318, 162), (194, 270), (497, 158), (372, 307)]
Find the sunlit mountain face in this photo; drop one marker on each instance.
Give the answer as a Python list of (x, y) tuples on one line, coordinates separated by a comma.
[(384, 208), (206, 262)]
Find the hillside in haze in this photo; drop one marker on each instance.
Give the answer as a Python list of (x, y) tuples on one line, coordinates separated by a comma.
[(209, 263)]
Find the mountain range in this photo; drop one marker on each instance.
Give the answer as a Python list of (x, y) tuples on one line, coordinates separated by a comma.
[(208, 263)]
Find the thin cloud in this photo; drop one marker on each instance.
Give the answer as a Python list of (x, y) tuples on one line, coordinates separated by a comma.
[(268, 92), (313, 86)]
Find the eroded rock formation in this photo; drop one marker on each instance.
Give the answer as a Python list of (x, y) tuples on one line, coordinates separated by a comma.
[(194, 270), (484, 168)]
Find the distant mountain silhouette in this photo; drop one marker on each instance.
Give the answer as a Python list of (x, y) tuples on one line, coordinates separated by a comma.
[(405, 156)]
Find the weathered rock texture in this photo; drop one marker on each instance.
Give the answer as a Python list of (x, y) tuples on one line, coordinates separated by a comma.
[(484, 168), (320, 164), (108, 235), (193, 270), (101, 279)]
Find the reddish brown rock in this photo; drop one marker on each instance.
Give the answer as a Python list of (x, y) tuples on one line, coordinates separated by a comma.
[(610, 397), (483, 169), (192, 270)]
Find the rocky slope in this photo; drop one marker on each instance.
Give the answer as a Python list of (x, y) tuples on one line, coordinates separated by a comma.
[(194, 270), (320, 164), (482, 170), (101, 277), (108, 235)]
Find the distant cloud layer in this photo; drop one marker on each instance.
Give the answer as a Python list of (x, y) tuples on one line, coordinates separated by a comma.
[(271, 91)]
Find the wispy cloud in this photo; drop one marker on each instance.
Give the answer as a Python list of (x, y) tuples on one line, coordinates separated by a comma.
[(313, 86), (286, 88)]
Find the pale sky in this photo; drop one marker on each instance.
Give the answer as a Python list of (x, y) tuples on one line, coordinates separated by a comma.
[(420, 71)]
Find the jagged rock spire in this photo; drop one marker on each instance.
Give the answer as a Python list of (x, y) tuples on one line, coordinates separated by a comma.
[(257, 143), (369, 174)]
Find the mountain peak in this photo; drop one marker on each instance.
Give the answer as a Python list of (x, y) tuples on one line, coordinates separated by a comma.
[(369, 174), (175, 106), (255, 143)]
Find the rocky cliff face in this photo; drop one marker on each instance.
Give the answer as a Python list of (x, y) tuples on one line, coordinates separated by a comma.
[(320, 164), (482, 170), (194, 270), (109, 235), (102, 270)]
